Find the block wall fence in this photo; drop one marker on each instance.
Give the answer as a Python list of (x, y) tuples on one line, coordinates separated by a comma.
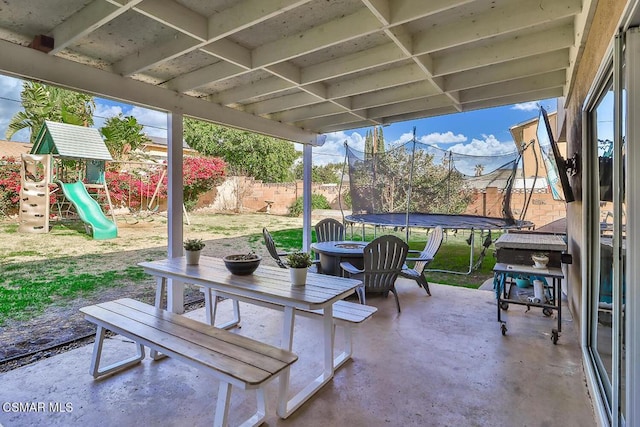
[(276, 198)]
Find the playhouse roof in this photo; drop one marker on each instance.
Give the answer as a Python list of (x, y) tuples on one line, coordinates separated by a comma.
[(70, 141)]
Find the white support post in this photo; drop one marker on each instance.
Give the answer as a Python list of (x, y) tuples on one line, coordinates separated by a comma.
[(307, 163), (175, 289)]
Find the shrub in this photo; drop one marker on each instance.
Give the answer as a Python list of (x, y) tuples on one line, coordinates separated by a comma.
[(9, 185), (200, 175), (318, 201)]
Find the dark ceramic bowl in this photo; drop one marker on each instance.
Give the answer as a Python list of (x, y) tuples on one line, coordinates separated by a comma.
[(241, 267)]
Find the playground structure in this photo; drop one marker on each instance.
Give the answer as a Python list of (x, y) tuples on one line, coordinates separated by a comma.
[(34, 193), (63, 153)]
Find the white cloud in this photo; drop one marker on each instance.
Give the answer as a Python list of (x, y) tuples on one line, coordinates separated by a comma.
[(526, 106), (404, 138), (155, 122), (332, 151), (104, 112), (442, 138), (488, 146)]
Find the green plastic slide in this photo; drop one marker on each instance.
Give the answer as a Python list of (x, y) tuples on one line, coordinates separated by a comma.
[(89, 210)]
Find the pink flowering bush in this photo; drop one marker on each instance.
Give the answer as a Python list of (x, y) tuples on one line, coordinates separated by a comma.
[(9, 185), (200, 174), (127, 189)]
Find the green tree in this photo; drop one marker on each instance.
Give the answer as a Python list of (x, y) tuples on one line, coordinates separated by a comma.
[(324, 174), (262, 157), (42, 102), (123, 134), (381, 184), (374, 142)]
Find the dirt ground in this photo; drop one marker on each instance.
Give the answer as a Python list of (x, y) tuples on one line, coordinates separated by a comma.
[(68, 248)]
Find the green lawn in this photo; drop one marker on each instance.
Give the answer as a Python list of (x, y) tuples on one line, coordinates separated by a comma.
[(452, 256), (27, 288)]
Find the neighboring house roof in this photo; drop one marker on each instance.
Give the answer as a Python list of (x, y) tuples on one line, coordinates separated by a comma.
[(70, 141), (14, 149), (158, 140)]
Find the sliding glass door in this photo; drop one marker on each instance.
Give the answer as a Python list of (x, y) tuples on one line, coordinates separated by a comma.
[(606, 161)]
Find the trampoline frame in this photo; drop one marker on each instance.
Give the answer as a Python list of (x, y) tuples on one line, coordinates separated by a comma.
[(403, 221)]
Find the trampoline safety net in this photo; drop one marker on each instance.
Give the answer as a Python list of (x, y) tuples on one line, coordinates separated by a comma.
[(421, 178)]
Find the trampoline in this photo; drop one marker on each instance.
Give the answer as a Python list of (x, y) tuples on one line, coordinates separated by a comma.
[(455, 222), (418, 185), (432, 220)]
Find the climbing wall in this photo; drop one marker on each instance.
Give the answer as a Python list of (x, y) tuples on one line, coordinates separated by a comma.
[(34, 193)]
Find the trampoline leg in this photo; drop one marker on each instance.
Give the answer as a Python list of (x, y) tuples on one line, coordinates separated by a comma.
[(471, 252)]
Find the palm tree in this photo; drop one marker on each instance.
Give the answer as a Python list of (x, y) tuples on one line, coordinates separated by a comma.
[(42, 102)]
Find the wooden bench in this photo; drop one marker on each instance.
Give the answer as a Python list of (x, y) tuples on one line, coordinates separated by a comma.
[(345, 314), (234, 359)]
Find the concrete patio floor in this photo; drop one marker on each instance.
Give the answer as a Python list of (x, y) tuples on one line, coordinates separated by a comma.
[(441, 362)]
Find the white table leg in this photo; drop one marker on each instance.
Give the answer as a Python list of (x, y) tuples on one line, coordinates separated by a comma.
[(287, 406), (161, 290)]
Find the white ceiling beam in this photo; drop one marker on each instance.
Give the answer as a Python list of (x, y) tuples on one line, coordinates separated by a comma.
[(192, 28), (334, 119), (147, 57), (512, 87), (512, 17), (380, 9), (287, 71), (291, 73), (282, 103), (359, 61), (176, 16), (581, 32), (262, 87), (219, 71), (403, 11), (419, 115), (247, 13), (409, 107), (319, 37), (510, 70), (376, 81), (406, 92), (317, 89), (28, 63), (346, 126), (229, 51), (308, 112), (86, 20), (199, 30), (536, 95), (457, 60)]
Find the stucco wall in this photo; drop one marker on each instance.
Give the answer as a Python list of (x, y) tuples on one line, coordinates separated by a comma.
[(603, 28)]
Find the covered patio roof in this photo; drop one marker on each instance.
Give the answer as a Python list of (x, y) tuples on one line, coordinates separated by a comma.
[(298, 68)]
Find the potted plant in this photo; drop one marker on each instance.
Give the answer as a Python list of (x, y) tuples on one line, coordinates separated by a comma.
[(242, 264), (192, 249), (540, 259), (298, 263)]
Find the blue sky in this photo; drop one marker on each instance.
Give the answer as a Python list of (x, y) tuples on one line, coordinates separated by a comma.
[(481, 132)]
